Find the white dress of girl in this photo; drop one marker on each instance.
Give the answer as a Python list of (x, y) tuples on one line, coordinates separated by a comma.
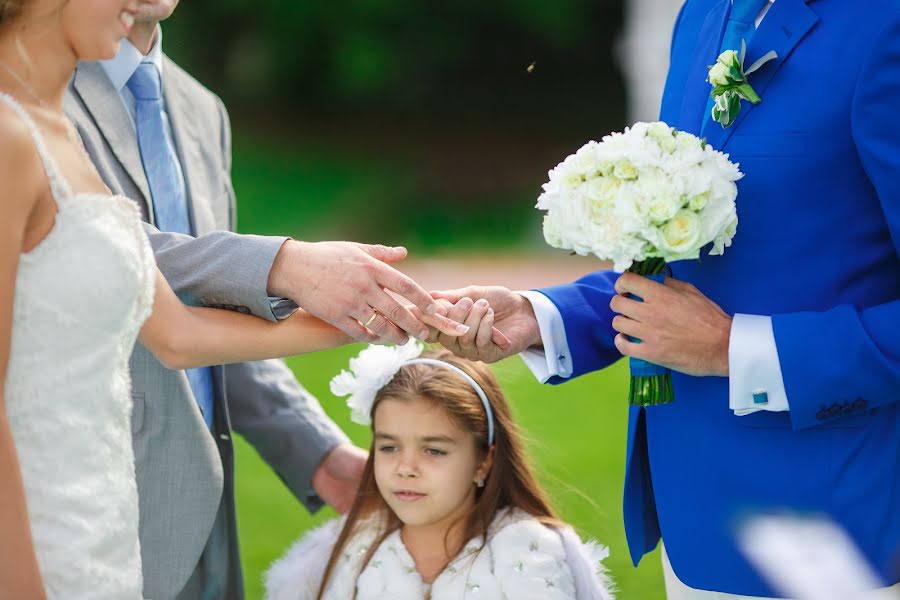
[(522, 560), (81, 297)]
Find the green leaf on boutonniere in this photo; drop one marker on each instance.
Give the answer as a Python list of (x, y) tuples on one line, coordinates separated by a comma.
[(730, 85)]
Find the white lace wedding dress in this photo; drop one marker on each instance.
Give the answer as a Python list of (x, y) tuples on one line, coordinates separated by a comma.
[(81, 297)]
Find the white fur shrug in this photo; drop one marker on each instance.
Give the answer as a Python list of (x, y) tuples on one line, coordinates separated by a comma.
[(522, 560)]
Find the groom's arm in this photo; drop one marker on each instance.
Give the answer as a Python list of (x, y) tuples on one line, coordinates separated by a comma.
[(866, 341), (283, 422), (221, 269), (575, 321)]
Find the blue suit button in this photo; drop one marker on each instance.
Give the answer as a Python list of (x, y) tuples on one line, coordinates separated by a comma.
[(860, 404)]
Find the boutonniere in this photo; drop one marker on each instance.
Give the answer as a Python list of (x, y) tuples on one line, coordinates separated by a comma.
[(729, 80)]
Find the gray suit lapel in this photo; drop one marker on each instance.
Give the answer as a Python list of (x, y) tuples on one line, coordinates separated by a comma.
[(187, 143), (112, 120)]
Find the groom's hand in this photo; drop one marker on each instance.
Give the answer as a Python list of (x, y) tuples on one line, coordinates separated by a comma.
[(346, 283), (515, 327), (679, 327), (337, 478)]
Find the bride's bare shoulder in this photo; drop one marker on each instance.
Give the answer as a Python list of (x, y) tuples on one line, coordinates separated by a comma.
[(21, 172)]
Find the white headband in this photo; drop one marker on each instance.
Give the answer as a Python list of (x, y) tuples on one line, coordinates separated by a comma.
[(472, 382), (376, 366)]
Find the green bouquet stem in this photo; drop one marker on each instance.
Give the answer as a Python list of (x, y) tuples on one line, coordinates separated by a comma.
[(649, 390)]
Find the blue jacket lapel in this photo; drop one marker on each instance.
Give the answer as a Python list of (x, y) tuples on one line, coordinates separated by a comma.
[(786, 23), (696, 89)]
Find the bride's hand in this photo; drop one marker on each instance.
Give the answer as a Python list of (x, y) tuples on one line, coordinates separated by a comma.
[(483, 342)]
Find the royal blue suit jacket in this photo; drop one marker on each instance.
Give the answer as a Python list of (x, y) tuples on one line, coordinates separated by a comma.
[(817, 248)]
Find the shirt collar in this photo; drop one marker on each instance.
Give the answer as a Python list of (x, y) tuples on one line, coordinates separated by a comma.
[(122, 67)]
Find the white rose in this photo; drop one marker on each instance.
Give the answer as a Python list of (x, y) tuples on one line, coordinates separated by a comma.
[(662, 208), (585, 161), (681, 235), (663, 135), (666, 141), (729, 58), (625, 170), (602, 190), (698, 202), (567, 175), (719, 74), (605, 167)]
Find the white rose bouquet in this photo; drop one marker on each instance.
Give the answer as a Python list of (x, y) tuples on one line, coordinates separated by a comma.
[(642, 198)]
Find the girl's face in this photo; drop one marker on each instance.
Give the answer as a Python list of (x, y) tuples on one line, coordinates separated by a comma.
[(94, 28), (426, 465)]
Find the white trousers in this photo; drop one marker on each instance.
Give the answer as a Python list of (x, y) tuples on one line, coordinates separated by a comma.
[(676, 590)]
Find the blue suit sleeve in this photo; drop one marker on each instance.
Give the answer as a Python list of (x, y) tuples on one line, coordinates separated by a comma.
[(584, 306), (848, 358)]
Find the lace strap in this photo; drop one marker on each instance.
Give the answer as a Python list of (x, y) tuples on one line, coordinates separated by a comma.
[(59, 187)]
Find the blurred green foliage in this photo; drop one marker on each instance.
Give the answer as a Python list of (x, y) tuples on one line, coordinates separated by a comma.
[(430, 124), (463, 59)]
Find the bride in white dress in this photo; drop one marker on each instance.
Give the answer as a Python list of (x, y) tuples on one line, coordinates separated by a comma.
[(77, 282)]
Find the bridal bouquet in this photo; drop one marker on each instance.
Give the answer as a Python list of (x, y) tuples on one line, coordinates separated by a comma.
[(642, 198)]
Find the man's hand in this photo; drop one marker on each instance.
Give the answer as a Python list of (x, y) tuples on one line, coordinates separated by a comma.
[(679, 327), (345, 284), (337, 479), (481, 308)]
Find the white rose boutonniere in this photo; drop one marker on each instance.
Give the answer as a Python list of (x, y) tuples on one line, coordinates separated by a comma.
[(729, 80)]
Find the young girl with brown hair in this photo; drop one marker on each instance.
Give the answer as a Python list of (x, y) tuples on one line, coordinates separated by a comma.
[(448, 506)]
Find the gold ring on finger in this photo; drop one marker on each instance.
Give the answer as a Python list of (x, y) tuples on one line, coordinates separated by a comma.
[(371, 319)]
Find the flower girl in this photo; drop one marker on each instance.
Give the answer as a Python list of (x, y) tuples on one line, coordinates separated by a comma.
[(448, 506)]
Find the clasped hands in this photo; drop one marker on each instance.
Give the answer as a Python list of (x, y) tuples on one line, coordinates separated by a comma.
[(678, 326), (347, 285)]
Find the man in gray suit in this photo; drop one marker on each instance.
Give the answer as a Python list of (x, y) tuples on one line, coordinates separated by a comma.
[(160, 138)]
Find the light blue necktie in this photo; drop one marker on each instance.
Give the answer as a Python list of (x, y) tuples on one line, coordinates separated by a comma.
[(166, 190), (741, 26)]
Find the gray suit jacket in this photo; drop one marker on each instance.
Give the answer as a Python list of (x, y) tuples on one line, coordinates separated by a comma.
[(184, 471)]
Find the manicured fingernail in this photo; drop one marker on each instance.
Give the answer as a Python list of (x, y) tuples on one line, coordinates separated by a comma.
[(432, 308), (422, 336), (490, 312), (481, 303), (462, 328)]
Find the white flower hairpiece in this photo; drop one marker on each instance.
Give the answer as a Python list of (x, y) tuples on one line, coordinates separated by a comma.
[(370, 371), (374, 368)]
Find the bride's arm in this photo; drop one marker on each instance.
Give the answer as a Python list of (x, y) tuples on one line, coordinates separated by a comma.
[(184, 337), (19, 575)]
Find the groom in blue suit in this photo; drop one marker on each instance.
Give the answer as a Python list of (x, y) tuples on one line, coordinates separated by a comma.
[(786, 350)]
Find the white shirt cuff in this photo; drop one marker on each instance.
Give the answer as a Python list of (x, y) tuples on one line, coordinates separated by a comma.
[(755, 382), (554, 359)]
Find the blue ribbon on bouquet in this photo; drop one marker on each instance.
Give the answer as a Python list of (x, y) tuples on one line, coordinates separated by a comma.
[(639, 367)]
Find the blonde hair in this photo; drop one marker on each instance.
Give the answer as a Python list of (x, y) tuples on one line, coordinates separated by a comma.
[(9, 9), (511, 483)]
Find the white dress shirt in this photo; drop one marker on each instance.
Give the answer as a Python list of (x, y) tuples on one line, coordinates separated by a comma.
[(753, 363)]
